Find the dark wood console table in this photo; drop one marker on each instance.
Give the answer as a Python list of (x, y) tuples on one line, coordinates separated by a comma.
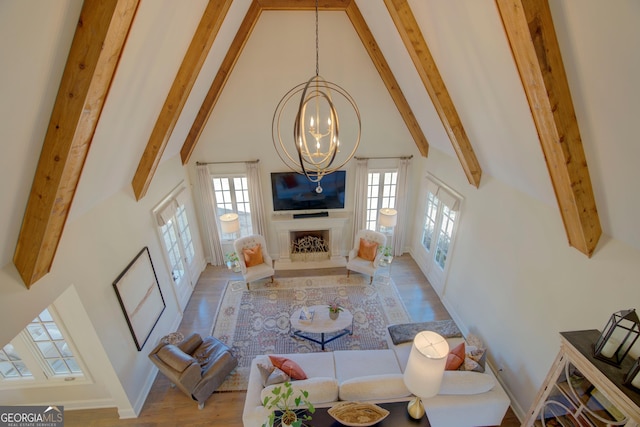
[(398, 417)]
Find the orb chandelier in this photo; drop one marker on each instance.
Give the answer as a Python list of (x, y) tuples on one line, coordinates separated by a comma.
[(315, 149)]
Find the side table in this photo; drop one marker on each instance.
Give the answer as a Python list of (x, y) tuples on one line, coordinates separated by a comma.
[(384, 270)]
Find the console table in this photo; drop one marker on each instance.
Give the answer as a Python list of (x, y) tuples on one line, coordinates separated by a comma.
[(582, 390), (398, 417)]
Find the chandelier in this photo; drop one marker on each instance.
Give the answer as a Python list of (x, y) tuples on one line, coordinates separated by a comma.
[(316, 126)]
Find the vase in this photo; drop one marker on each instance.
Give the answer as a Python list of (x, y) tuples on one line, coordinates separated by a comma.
[(386, 260), (333, 315), (288, 418)]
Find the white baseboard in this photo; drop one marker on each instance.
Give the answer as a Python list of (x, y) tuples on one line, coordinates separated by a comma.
[(142, 396), (286, 264)]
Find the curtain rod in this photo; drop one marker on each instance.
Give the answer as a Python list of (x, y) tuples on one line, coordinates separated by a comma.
[(376, 158), (223, 163)]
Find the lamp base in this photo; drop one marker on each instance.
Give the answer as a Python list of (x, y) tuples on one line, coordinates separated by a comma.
[(415, 408)]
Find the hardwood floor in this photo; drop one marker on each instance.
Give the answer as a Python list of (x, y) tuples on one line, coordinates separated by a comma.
[(166, 406)]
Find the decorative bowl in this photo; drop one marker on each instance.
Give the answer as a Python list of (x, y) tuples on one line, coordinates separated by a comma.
[(356, 414)]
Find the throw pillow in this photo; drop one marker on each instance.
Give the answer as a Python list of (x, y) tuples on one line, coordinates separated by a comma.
[(455, 358), (475, 359), (271, 375), (374, 387), (289, 367), (320, 389), (476, 354), (253, 256), (462, 382), (367, 250)]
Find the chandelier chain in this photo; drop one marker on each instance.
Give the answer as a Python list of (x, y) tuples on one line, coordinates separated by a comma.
[(316, 135), (317, 43)]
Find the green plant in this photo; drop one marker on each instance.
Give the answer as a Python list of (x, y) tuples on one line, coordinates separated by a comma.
[(334, 307), (282, 399), (231, 257), (386, 250)]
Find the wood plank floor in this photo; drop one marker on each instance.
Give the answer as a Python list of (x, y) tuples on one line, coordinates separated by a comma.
[(166, 406)]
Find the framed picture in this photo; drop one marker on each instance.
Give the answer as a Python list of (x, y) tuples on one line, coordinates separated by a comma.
[(140, 297)]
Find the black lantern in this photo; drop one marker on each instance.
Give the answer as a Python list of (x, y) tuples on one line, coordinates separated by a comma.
[(618, 336), (632, 379)]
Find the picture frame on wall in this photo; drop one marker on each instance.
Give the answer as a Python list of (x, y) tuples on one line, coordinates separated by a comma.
[(140, 297)]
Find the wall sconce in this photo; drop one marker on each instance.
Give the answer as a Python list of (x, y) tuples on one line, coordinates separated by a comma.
[(618, 336), (632, 379), (230, 223), (425, 369)]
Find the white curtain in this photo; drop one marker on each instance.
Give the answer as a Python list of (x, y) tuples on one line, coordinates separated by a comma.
[(401, 206), (167, 212), (258, 219), (360, 200), (448, 199), (212, 246)]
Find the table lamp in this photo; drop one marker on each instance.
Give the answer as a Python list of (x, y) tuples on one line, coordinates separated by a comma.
[(425, 369), (230, 223), (388, 218)]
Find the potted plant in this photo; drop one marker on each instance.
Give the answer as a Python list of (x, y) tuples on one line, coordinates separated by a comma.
[(282, 400), (387, 255), (232, 261), (334, 310)]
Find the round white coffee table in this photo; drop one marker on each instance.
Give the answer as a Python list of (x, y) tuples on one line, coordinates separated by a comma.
[(320, 323)]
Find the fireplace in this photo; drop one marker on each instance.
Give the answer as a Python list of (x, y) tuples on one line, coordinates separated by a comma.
[(312, 245), (313, 242)]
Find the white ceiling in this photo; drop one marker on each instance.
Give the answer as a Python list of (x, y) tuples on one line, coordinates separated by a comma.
[(598, 41)]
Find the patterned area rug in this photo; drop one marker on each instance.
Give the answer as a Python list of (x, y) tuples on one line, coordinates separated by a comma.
[(257, 321)]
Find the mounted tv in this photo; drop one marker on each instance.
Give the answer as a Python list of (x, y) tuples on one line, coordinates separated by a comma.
[(292, 191)]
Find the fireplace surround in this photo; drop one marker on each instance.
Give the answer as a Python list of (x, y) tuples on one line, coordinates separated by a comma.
[(324, 244)]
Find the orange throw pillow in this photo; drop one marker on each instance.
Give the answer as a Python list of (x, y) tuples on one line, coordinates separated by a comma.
[(253, 256), (455, 358), (367, 250), (289, 367)]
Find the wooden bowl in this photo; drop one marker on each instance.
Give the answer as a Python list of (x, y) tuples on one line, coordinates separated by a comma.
[(356, 414)]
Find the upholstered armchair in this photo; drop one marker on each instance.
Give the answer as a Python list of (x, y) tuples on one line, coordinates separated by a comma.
[(365, 256), (196, 366), (254, 259)]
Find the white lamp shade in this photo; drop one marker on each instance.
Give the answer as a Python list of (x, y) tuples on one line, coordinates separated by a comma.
[(230, 223), (425, 367), (388, 217)]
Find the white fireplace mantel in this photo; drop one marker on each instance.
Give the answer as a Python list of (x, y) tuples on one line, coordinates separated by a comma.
[(336, 223)]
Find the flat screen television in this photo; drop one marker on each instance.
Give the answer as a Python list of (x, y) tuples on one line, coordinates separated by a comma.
[(292, 191)]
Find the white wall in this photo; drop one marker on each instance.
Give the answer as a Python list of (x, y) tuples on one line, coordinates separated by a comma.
[(93, 251), (515, 282), (272, 63)]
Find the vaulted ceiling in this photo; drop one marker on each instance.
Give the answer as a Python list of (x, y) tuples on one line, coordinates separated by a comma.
[(101, 36)]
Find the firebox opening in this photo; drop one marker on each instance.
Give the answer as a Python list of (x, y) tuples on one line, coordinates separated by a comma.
[(310, 245)]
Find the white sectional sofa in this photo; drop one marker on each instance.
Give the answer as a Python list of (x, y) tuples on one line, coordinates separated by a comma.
[(466, 399)]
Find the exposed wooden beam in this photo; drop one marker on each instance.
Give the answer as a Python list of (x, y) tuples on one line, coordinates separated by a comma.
[(529, 28), (230, 59), (388, 78), (304, 4), (419, 52), (197, 53), (256, 8), (97, 44)]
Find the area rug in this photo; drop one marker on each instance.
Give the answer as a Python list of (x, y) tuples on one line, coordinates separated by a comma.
[(256, 321)]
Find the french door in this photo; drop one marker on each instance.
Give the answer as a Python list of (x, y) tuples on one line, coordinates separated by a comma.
[(439, 225), (177, 240)]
